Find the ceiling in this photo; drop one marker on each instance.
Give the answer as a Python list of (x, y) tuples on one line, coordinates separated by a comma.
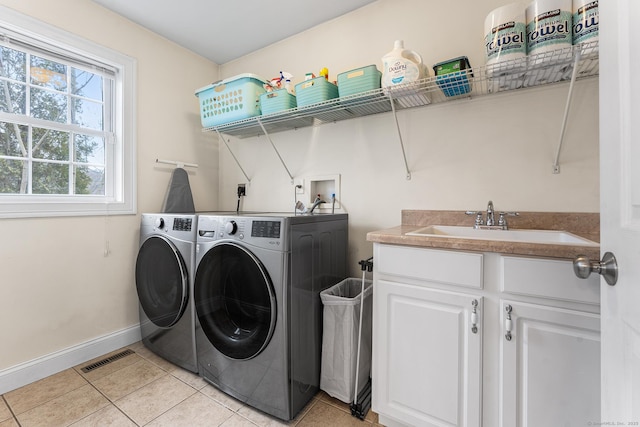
[(225, 30)]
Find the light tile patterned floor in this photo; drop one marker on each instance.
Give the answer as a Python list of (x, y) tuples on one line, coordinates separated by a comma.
[(143, 389)]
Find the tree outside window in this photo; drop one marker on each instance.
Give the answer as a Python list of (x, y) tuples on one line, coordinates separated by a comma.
[(52, 126)]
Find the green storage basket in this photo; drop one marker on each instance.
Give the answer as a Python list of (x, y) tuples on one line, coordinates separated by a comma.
[(276, 101), (359, 80), (314, 91)]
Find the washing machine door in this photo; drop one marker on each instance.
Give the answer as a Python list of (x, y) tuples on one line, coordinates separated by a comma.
[(162, 281), (235, 301)]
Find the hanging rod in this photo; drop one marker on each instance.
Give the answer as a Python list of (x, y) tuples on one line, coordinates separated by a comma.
[(233, 155), (176, 163)]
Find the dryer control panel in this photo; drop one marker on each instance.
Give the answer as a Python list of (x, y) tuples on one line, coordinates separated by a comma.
[(251, 230), (182, 224), (269, 229)]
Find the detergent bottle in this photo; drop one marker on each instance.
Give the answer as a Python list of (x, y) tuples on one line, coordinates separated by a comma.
[(401, 66)]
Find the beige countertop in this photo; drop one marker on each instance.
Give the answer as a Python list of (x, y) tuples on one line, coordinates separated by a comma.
[(586, 225)]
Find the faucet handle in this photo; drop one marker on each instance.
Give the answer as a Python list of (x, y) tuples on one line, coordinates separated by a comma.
[(502, 220), (478, 214)]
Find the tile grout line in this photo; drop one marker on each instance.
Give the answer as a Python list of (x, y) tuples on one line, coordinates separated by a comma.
[(13, 414), (167, 374), (112, 403), (188, 397)]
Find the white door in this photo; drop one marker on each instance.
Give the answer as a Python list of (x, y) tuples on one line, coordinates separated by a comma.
[(620, 208), (550, 367), (428, 356)]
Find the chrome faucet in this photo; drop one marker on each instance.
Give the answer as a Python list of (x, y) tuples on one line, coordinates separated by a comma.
[(490, 222), (316, 202), (490, 218)]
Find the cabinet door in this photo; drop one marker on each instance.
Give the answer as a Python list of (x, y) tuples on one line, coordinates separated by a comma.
[(427, 359), (550, 367)]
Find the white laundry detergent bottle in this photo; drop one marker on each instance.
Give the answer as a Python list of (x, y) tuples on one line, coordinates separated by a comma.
[(401, 66)]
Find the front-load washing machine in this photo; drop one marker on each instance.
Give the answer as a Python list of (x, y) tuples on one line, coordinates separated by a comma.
[(258, 307), (165, 270)]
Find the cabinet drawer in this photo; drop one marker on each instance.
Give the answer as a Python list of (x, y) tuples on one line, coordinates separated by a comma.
[(547, 278), (433, 265)]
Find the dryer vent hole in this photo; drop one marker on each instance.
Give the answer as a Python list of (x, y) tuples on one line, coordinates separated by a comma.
[(107, 360)]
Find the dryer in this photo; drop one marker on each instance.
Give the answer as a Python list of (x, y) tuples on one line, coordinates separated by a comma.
[(258, 307), (165, 270)]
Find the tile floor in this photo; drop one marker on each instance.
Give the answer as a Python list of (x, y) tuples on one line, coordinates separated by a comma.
[(143, 389)]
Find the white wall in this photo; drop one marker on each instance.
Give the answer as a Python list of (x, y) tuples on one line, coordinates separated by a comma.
[(461, 153), (58, 290)]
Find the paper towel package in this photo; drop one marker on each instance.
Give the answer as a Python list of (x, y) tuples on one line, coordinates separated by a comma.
[(586, 21), (549, 27), (505, 39)]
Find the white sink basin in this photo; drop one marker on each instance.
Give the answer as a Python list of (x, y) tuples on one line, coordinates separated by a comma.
[(525, 236)]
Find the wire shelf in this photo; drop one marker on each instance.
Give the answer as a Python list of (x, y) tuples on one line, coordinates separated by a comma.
[(535, 70)]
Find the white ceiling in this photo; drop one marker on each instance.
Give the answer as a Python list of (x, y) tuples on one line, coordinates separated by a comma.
[(225, 30)]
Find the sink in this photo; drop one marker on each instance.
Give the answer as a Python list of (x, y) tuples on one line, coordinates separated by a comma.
[(525, 236)]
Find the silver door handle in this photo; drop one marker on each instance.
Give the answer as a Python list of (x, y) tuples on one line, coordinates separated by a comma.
[(608, 267)]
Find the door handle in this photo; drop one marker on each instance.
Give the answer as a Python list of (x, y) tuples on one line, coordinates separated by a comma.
[(607, 268), (508, 323)]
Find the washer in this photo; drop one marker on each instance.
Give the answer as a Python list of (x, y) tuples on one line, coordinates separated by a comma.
[(258, 308), (165, 270)]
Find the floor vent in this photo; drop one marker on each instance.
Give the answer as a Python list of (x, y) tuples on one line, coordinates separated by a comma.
[(106, 361)]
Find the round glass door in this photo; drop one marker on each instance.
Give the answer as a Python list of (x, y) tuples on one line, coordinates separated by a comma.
[(161, 281), (235, 301)]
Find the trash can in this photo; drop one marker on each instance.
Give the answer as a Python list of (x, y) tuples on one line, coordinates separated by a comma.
[(340, 324)]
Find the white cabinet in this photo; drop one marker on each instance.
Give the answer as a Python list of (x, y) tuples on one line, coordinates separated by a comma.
[(550, 367), (431, 369), (427, 351), (428, 359)]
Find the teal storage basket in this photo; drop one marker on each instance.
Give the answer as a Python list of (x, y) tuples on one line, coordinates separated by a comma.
[(276, 101), (315, 90), (359, 80), (231, 99)]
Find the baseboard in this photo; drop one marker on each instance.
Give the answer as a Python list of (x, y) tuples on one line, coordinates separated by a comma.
[(36, 369)]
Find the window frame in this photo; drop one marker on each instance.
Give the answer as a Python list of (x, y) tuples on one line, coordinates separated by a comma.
[(120, 149)]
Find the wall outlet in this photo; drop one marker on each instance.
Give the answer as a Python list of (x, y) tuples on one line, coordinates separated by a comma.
[(299, 183), (242, 190)]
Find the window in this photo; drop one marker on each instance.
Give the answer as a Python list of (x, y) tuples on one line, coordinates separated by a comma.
[(66, 123)]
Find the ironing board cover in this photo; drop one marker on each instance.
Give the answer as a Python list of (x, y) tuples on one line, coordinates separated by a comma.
[(179, 198)]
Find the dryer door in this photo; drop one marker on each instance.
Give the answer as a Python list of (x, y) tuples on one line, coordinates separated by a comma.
[(235, 301), (161, 281)]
